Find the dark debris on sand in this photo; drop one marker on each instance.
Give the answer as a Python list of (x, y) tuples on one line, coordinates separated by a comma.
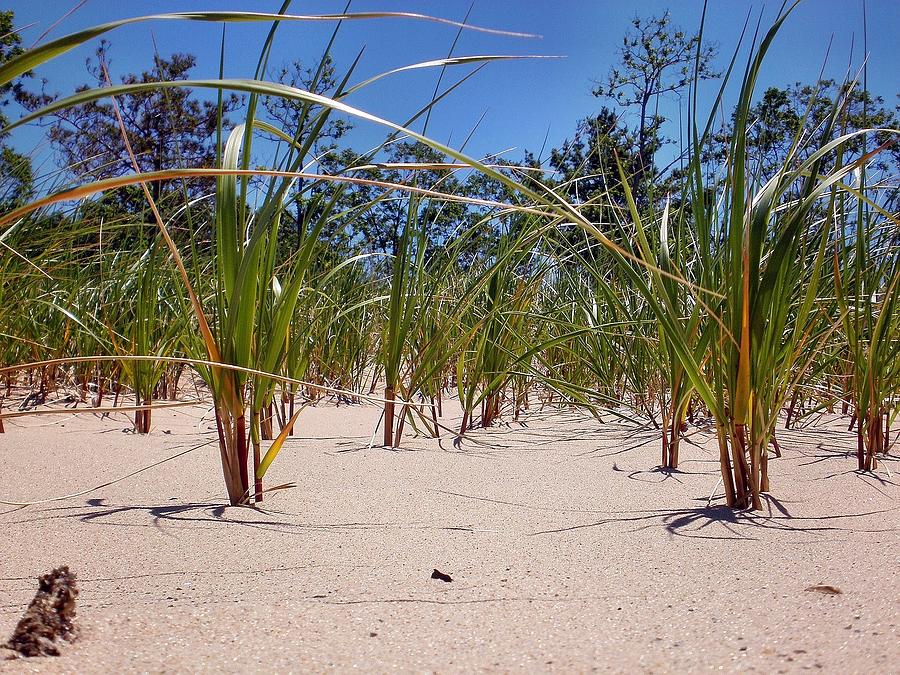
[(49, 620)]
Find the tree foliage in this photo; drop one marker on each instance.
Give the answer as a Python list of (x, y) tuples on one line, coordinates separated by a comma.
[(796, 113), (586, 165), (655, 59), (167, 128), (16, 177)]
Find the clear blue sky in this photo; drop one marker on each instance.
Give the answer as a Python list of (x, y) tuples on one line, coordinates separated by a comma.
[(522, 100)]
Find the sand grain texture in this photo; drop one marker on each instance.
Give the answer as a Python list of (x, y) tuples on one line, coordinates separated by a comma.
[(568, 551)]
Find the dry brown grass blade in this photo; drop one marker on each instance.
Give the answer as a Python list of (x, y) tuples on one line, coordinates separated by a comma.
[(107, 483), (139, 178)]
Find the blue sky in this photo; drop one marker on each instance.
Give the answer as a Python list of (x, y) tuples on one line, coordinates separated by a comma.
[(521, 101)]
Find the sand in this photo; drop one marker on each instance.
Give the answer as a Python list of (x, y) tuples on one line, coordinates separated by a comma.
[(567, 549)]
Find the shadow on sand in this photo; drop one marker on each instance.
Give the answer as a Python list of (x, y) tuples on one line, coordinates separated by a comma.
[(726, 523), (206, 515)]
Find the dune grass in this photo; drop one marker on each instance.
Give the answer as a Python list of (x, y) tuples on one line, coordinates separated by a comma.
[(730, 299)]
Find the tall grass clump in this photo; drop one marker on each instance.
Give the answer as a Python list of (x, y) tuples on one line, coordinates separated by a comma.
[(243, 332), (737, 293), (761, 252)]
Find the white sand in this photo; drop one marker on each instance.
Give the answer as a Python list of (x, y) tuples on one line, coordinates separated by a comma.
[(567, 551)]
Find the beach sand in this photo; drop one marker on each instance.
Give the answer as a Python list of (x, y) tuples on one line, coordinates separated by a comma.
[(568, 551)]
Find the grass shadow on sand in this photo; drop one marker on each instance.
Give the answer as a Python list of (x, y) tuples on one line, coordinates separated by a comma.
[(727, 523), (206, 515)]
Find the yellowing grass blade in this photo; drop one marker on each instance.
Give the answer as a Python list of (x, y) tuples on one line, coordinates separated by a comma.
[(275, 448)]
